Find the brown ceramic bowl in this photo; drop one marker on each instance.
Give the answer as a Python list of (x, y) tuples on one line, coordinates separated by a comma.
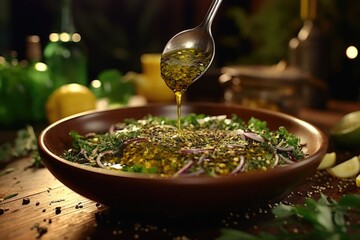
[(140, 194)]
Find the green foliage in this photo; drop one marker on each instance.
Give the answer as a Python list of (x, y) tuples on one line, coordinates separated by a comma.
[(321, 219), (114, 87), (268, 31), (24, 145)]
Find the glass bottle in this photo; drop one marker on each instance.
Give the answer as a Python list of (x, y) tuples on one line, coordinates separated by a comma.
[(65, 54), (308, 51), (38, 76)]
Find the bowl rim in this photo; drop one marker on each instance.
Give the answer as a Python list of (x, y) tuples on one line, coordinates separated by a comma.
[(188, 180)]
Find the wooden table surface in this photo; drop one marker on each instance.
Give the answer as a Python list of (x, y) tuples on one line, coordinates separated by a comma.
[(42, 207)]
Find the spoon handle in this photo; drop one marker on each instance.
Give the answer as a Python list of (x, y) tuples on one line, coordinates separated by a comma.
[(209, 17)]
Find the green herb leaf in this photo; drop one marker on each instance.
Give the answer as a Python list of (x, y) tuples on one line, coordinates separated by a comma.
[(321, 219), (231, 234), (283, 211), (24, 145)]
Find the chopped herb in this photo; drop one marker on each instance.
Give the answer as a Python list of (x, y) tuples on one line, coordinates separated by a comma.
[(8, 196), (56, 201), (321, 219), (24, 145), (206, 145)]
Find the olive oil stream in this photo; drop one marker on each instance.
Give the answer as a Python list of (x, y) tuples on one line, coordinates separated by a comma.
[(180, 68)]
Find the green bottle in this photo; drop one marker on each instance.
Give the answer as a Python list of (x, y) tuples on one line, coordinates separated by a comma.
[(40, 83), (65, 54)]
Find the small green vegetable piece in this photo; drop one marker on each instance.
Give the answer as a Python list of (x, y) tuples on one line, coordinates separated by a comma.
[(8, 197)]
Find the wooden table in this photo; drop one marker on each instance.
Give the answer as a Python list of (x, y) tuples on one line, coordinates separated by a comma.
[(44, 208)]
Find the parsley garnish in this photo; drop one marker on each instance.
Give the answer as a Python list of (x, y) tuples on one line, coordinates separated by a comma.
[(315, 219)]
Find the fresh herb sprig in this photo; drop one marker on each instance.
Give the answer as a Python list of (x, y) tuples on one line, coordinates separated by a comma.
[(315, 219), (25, 144)]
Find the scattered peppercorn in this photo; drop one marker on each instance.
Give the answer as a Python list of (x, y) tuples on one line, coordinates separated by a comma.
[(2, 211), (57, 210), (25, 201)]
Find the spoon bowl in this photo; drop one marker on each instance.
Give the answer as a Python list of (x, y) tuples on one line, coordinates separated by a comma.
[(199, 38)]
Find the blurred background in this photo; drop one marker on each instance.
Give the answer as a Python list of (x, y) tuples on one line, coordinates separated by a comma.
[(115, 33)]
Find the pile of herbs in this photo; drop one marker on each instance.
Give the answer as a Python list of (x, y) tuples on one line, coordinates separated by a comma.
[(24, 145), (315, 219)]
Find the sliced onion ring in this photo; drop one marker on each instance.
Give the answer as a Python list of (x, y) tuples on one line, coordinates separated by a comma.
[(254, 136), (239, 166), (183, 170), (196, 150), (100, 155), (127, 142), (286, 159)]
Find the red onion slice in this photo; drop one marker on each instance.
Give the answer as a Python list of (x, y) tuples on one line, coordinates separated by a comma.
[(285, 159), (239, 166), (241, 133), (98, 158), (186, 167), (285, 149), (282, 146), (254, 136), (193, 174), (276, 162), (196, 150)]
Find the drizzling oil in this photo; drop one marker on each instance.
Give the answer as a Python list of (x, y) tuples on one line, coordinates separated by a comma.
[(180, 68)]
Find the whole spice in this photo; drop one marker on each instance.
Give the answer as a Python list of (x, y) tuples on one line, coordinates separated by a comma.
[(8, 196), (57, 210), (25, 201)]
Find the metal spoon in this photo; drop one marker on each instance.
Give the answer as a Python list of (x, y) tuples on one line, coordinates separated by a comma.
[(199, 37)]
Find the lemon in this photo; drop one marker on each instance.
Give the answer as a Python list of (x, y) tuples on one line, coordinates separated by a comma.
[(328, 161), (69, 99), (346, 133), (347, 169), (357, 181)]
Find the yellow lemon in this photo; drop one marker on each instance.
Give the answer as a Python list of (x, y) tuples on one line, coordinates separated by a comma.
[(347, 169), (69, 99), (357, 181), (328, 161)]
